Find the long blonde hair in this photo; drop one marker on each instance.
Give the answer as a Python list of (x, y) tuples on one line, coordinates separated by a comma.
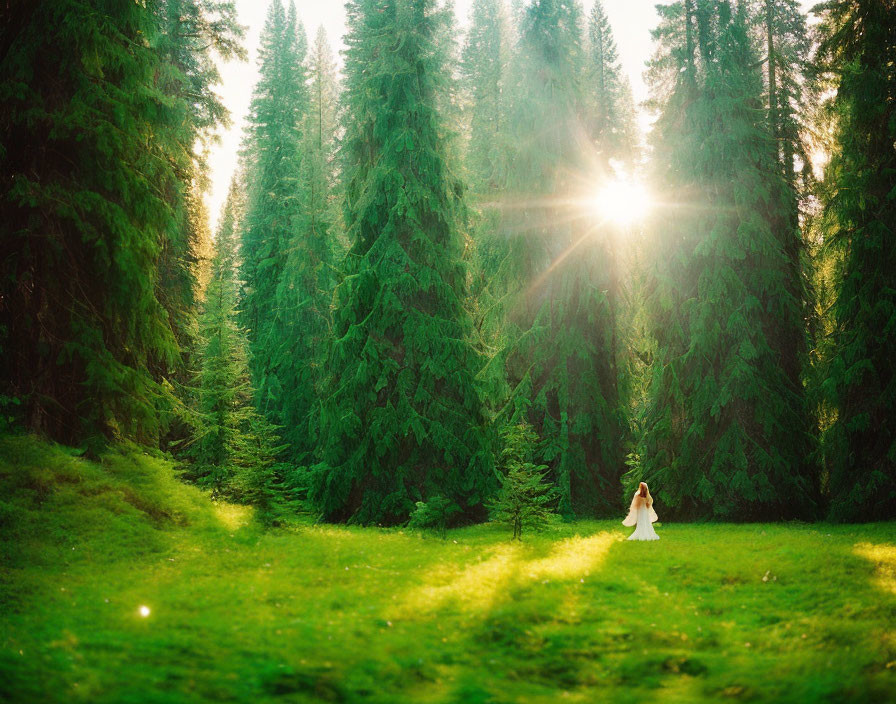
[(644, 493)]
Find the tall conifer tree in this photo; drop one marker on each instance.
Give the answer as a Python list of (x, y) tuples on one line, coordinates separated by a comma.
[(786, 49), (858, 43), (486, 99), (233, 446), (93, 220), (611, 106), (562, 359), (186, 27), (402, 416), (304, 292), (726, 431), (484, 68), (272, 155)]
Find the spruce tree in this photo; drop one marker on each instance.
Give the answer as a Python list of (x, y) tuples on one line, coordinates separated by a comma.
[(611, 108), (726, 432), (525, 500), (302, 321), (561, 360), (484, 74), (93, 220), (786, 49), (188, 72), (402, 417), (233, 447), (272, 160), (486, 89), (858, 42)]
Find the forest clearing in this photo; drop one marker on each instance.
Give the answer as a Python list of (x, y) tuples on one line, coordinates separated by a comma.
[(450, 351), (314, 613)]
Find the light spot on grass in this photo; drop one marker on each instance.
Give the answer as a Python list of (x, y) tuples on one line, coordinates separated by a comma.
[(144, 611), (883, 557), (233, 516), (474, 588), (479, 586), (573, 558)]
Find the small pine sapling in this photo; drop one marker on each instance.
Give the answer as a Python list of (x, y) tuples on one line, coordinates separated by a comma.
[(434, 515), (256, 475), (525, 499)]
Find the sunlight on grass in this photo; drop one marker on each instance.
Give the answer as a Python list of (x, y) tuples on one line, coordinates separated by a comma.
[(770, 614), (883, 557), (233, 516), (474, 588), (480, 586), (573, 558)]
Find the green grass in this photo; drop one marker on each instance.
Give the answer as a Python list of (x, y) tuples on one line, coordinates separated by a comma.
[(762, 613)]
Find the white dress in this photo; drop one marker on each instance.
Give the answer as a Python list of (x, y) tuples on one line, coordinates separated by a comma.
[(644, 529), (642, 516)]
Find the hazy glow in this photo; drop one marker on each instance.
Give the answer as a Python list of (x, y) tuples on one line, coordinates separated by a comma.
[(622, 202), (144, 611), (631, 20)]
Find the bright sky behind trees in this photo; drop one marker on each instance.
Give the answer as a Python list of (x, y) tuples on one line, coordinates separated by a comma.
[(632, 21)]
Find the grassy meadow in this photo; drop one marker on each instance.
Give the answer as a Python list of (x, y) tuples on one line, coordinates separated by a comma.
[(320, 613)]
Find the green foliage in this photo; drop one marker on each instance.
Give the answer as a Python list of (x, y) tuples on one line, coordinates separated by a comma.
[(288, 233), (272, 161), (304, 292), (611, 110), (9, 409), (525, 500), (357, 332), (233, 448), (560, 344), (484, 75), (103, 105), (402, 417), (727, 432), (257, 477), (434, 514), (858, 38), (633, 475)]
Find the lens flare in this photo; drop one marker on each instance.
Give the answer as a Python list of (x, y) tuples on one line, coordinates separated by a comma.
[(622, 202)]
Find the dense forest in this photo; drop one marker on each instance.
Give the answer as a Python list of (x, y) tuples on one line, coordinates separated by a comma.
[(435, 250)]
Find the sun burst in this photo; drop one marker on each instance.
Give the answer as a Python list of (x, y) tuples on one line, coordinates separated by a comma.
[(622, 202)]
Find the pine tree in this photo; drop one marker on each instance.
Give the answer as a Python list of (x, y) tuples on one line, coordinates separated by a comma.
[(272, 159), (561, 360), (303, 318), (526, 499), (483, 69), (858, 42), (611, 107), (402, 418), (233, 447), (92, 220), (726, 432)]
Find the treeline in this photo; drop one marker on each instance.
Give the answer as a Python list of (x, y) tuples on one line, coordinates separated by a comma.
[(408, 261)]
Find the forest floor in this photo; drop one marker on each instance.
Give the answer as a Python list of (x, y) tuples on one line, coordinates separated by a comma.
[(316, 613)]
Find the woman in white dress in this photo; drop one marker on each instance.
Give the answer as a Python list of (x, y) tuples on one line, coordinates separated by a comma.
[(642, 515)]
